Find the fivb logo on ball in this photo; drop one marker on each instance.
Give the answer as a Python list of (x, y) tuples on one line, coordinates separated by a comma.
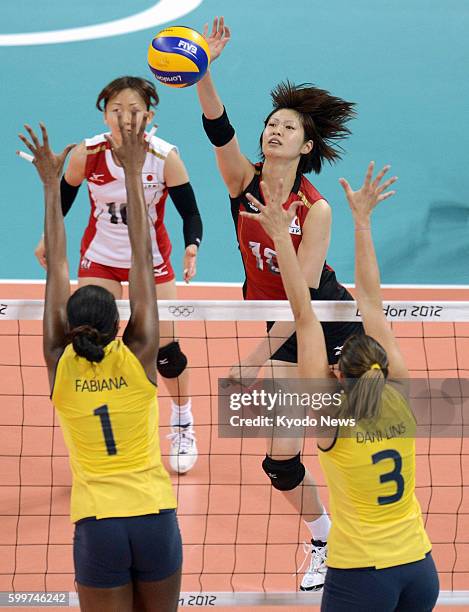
[(189, 47), (178, 56)]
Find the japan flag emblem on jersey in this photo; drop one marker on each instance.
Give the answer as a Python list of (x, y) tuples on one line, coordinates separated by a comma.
[(295, 227), (149, 180)]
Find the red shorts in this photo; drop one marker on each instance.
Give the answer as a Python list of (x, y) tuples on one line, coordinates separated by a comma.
[(163, 273)]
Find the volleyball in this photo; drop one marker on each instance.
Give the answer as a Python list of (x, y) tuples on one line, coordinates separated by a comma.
[(178, 56)]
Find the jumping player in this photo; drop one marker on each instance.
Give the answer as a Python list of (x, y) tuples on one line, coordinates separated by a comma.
[(127, 545), (105, 247), (298, 137), (379, 553)]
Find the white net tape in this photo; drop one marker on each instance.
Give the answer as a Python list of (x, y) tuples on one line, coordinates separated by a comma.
[(258, 310)]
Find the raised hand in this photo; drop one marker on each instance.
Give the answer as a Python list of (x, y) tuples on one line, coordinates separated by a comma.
[(49, 165), (273, 217), (218, 38), (132, 150), (363, 201)]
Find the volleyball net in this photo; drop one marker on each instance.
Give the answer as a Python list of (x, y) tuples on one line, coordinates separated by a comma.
[(243, 543)]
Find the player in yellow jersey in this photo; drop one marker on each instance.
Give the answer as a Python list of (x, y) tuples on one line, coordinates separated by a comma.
[(378, 551), (127, 545)]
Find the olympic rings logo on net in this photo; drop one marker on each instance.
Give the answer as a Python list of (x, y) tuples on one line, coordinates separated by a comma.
[(181, 311)]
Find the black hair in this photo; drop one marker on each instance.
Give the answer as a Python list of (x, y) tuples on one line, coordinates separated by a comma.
[(323, 117), (93, 320), (144, 87)]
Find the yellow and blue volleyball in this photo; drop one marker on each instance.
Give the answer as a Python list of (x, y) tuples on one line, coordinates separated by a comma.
[(178, 56)]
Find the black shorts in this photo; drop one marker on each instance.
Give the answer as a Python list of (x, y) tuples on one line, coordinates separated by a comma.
[(335, 333), (412, 587), (112, 552)]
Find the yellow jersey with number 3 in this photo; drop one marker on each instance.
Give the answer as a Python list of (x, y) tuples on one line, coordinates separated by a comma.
[(370, 474), (108, 412)]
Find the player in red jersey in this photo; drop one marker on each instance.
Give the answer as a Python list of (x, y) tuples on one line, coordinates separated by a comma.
[(105, 254), (298, 136)]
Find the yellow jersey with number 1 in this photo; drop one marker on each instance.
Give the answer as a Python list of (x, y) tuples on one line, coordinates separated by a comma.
[(370, 474), (109, 417)]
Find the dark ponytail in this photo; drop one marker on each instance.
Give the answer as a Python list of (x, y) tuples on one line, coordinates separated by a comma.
[(87, 342), (93, 320)]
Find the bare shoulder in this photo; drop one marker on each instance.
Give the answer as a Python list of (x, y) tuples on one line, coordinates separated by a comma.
[(321, 208), (173, 161), (175, 172), (75, 172), (79, 152), (319, 217)]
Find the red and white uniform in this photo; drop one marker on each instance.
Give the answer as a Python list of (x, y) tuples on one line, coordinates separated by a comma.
[(106, 239)]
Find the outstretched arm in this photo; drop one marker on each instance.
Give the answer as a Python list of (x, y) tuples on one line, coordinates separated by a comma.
[(49, 167), (141, 334), (69, 186), (236, 170), (312, 355), (367, 277)]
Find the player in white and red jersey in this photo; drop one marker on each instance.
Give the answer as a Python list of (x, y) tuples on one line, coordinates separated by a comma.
[(298, 136), (105, 254), (106, 239)]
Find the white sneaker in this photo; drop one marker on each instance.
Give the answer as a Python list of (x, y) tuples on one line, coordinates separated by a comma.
[(183, 452), (314, 578)]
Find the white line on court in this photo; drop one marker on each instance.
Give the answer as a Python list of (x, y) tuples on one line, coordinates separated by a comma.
[(161, 12)]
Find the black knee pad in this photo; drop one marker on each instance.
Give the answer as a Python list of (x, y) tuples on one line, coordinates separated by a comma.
[(171, 361), (284, 475)]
